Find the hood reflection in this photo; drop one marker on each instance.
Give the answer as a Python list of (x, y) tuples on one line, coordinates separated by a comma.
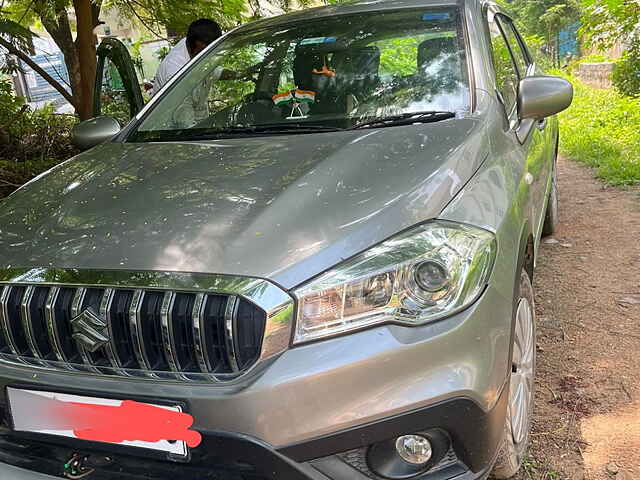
[(279, 207)]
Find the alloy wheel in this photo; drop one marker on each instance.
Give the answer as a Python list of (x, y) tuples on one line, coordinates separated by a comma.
[(522, 374)]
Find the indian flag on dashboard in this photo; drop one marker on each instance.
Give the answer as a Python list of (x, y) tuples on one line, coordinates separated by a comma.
[(282, 98), (305, 96)]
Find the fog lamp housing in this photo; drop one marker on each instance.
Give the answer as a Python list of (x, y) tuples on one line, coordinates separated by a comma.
[(414, 449), (408, 455)]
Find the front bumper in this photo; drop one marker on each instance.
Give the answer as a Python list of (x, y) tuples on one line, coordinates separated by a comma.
[(224, 456), (292, 417)]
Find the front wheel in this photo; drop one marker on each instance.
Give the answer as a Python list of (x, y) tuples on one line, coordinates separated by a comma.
[(521, 385)]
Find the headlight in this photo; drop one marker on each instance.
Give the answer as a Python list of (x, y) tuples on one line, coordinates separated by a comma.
[(413, 278)]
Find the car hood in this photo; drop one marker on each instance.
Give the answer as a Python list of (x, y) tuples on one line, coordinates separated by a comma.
[(279, 207)]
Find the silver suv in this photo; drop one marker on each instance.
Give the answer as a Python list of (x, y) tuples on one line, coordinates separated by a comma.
[(308, 257)]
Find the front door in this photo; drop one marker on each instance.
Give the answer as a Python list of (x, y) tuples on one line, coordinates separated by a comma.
[(526, 138), (117, 91), (534, 135)]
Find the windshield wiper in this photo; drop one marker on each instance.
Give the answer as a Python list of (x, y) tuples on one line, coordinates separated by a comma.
[(209, 134), (291, 127), (406, 119)]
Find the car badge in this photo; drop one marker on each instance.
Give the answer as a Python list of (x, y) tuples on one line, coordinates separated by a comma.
[(90, 330)]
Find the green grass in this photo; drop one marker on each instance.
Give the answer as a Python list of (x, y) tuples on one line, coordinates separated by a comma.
[(532, 470), (601, 129)]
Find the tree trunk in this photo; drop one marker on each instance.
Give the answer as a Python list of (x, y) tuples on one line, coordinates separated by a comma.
[(86, 48), (58, 26), (48, 78), (78, 64)]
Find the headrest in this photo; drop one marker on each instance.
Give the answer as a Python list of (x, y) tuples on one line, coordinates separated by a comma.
[(357, 70), (357, 62), (303, 66)]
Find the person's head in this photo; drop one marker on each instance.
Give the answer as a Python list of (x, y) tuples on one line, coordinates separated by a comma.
[(200, 34)]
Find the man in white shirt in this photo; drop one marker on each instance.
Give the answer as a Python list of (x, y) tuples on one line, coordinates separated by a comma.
[(195, 106), (200, 34)]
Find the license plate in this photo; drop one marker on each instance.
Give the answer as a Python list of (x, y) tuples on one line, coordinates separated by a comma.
[(95, 419)]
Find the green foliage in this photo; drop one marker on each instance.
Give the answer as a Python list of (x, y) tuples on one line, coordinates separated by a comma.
[(626, 74), (227, 93), (543, 18), (602, 130), (30, 141), (604, 22), (504, 68), (535, 45), (398, 55), (593, 58), (176, 15), (573, 66), (17, 36), (20, 36), (135, 49), (162, 53)]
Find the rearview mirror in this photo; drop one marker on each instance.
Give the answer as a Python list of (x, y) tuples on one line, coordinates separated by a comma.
[(92, 132), (541, 97)]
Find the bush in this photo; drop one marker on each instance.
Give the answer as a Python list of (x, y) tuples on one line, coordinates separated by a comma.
[(574, 64), (601, 129), (626, 74), (30, 141)]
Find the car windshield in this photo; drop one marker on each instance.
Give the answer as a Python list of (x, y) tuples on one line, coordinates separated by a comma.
[(332, 73)]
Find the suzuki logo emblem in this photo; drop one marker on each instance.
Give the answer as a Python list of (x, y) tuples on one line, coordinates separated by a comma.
[(90, 330)]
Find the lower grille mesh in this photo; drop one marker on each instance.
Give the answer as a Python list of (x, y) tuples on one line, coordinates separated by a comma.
[(189, 336), (358, 459)]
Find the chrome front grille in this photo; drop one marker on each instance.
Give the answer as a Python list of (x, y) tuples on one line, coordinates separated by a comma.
[(181, 327)]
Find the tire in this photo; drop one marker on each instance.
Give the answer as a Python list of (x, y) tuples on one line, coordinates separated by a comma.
[(551, 216), (515, 440)]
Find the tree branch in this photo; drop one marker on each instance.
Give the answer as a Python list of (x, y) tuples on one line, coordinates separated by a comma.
[(48, 78), (26, 10), (141, 20)]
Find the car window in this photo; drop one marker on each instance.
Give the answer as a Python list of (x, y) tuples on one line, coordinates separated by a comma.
[(507, 78), (519, 55), (113, 96), (332, 72)]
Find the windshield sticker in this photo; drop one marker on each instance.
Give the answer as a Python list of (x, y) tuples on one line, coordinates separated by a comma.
[(437, 16), (316, 40)]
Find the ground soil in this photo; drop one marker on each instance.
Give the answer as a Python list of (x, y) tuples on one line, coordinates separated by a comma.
[(587, 417)]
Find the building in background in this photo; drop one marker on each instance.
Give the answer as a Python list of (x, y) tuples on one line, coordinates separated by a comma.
[(36, 89), (568, 45)]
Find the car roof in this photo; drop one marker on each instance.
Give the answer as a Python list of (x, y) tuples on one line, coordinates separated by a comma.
[(357, 6)]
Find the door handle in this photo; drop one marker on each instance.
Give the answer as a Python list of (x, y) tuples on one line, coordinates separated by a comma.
[(541, 124)]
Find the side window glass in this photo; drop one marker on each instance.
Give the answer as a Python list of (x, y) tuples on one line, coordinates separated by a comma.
[(227, 84), (522, 46), (113, 96), (117, 93), (506, 74), (516, 49)]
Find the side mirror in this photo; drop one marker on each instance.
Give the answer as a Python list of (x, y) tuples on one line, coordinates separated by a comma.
[(92, 132), (541, 97)]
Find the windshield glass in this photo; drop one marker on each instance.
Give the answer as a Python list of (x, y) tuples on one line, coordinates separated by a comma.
[(331, 73)]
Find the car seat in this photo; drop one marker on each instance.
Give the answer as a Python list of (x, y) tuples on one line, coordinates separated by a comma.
[(307, 60)]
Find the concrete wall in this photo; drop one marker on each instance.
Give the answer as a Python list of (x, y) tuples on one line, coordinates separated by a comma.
[(596, 74)]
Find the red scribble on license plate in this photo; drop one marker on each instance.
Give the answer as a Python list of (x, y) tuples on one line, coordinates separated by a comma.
[(130, 421)]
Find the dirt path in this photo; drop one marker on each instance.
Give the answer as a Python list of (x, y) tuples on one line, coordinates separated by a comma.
[(587, 421)]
